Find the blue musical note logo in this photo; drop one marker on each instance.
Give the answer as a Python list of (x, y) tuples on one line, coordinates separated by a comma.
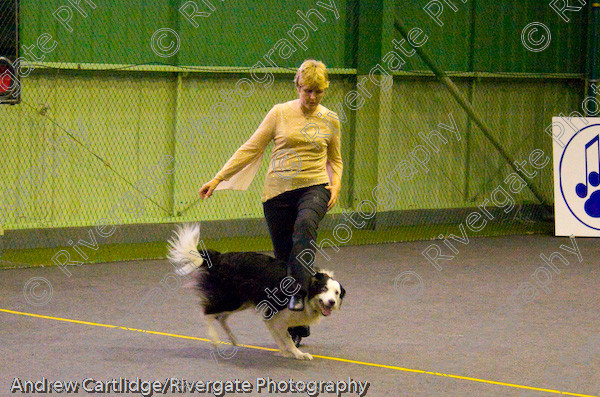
[(592, 204), (579, 180)]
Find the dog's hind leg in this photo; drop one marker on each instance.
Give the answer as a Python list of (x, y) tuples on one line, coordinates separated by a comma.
[(211, 319), (223, 321)]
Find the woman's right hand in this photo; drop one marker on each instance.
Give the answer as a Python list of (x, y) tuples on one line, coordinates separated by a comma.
[(207, 189)]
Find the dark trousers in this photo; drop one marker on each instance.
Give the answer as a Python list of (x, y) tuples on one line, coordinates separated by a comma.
[(293, 218)]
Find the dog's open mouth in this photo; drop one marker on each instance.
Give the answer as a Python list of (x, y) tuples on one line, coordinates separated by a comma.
[(325, 310)]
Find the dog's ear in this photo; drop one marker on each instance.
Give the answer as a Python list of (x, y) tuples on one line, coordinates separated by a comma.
[(342, 294), (316, 283), (316, 279), (318, 276), (328, 273)]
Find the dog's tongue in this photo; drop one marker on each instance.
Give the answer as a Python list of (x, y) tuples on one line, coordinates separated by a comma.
[(326, 311)]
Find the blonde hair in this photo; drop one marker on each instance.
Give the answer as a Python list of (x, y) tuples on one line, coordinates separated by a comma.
[(312, 73)]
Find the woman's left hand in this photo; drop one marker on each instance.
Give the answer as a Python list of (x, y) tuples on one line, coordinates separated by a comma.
[(335, 192)]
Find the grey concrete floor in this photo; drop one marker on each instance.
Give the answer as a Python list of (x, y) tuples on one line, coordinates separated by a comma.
[(481, 316)]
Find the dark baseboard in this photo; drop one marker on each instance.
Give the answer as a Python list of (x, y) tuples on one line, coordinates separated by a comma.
[(255, 227)]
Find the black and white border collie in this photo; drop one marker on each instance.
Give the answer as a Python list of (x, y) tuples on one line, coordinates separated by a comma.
[(234, 281)]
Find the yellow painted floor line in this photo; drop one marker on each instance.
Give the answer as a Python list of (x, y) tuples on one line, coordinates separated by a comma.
[(367, 364)]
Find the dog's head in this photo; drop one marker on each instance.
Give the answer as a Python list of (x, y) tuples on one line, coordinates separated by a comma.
[(325, 293)]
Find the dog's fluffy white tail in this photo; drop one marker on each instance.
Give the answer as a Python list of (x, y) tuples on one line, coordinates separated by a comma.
[(184, 249)]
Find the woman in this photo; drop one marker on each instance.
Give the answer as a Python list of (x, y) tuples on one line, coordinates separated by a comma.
[(304, 176)]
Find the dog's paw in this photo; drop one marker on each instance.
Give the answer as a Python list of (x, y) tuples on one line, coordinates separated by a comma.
[(303, 356)]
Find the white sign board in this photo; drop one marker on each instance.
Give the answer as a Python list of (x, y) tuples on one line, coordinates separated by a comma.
[(576, 150)]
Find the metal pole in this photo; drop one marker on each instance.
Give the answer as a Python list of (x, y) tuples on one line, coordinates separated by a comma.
[(592, 86)]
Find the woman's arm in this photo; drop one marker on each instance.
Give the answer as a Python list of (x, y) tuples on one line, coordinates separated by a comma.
[(207, 189), (334, 188), (252, 149), (334, 159)]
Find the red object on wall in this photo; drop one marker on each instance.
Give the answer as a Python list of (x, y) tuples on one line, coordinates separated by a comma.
[(5, 80)]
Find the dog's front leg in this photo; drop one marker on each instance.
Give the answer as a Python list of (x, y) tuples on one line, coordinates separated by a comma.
[(280, 327), (277, 338)]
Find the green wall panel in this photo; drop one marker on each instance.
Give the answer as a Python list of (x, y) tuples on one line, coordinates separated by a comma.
[(448, 45), (498, 44), (242, 33), (419, 107), (233, 34), (518, 113), (125, 121), (114, 32)]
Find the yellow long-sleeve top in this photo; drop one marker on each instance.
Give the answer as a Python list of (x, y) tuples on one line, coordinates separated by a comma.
[(306, 151)]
